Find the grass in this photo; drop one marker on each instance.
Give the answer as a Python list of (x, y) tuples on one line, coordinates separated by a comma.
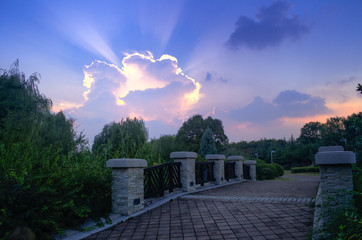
[(288, 172)]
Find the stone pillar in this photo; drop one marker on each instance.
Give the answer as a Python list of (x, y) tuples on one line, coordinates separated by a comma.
[(238, 166), (187, 169), (335, 167), (218, 167), (127, 185), (252, 165)]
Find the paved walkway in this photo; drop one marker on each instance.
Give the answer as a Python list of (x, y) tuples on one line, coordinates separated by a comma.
[(272, 209)]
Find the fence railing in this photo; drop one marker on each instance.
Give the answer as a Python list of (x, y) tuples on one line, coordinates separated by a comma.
[(229, 170), (204, 172), (160, 178), (246, 171)]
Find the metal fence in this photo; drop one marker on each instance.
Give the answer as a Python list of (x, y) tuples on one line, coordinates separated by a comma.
[(229, 170), (204, 172), (246, 171), (160, 178)]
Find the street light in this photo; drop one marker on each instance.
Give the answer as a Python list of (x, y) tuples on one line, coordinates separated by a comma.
[(271, 156), (256, 156)]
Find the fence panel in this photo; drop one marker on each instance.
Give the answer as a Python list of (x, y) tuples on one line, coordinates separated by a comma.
[(204, 172), (246, 171), (160, 178), (229, 170)]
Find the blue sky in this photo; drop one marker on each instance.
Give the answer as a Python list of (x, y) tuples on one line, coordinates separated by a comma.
[(264, 68)]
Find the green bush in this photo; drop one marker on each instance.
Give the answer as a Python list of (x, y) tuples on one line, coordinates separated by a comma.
[(279, 169), (260, 165), (357, 187), (267, 173), (45, 191), (304, 169)]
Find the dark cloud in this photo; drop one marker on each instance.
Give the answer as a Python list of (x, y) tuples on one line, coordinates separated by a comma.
[(289, 103), (272, 27), (208, 76), (213, 76)]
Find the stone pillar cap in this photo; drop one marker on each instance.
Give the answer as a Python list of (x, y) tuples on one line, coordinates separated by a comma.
[(215, 157), (126, 163), (250, 162), (335, 157), (181, 155), (235, 158), (331, 149)]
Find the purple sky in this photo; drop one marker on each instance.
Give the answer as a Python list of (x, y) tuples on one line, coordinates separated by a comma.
[(264, 68)]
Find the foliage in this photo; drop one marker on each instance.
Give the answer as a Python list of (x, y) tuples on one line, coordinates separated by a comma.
[(344, 225), (121, 140), (343, 222), (304, 169), (164, 146), (279, 169), (48, 177), (311, 133), (149, 153), (207, 145), (333, 132), (267, 173), (359, 88), (353, 134), (357, 187), (274, 170), (46, 191), (344, 131), (25, 115), (189, 136)]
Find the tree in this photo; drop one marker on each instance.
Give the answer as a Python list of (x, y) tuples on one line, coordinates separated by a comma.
[(207, 145), (333, 132), (359, 88), (164, 146), (310, 133), (25, 115), (123, 139), (189, 135), (353, 133)]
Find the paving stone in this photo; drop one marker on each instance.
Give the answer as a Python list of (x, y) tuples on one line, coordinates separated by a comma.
[(247, 210)]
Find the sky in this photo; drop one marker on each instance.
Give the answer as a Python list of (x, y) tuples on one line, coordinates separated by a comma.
[(264, 68)]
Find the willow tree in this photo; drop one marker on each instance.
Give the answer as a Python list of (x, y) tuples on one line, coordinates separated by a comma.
[(121, 139)]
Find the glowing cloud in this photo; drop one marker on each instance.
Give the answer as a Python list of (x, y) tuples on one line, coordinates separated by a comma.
[(145, 87)]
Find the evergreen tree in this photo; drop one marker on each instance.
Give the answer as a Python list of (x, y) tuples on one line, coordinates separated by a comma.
[(207, 145)]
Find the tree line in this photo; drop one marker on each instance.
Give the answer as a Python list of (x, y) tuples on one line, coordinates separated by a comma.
[(51, 179)]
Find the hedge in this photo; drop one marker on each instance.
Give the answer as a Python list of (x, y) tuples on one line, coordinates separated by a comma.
[(275, 170), (304, 169)]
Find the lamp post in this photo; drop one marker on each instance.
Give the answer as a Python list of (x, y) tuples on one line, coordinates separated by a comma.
[(256, 156), (271, 156)]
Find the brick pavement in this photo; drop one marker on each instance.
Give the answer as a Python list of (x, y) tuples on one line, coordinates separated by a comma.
[(227, 213)]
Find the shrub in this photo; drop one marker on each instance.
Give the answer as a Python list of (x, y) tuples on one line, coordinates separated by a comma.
[(268, 173), (357, 187), (45, 191), (304, 169), (279, 169), (260, 165)]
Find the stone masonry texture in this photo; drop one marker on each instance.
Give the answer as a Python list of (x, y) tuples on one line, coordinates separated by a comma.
[(187, 171), (127, 188), (238, 166), (336, 184)]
